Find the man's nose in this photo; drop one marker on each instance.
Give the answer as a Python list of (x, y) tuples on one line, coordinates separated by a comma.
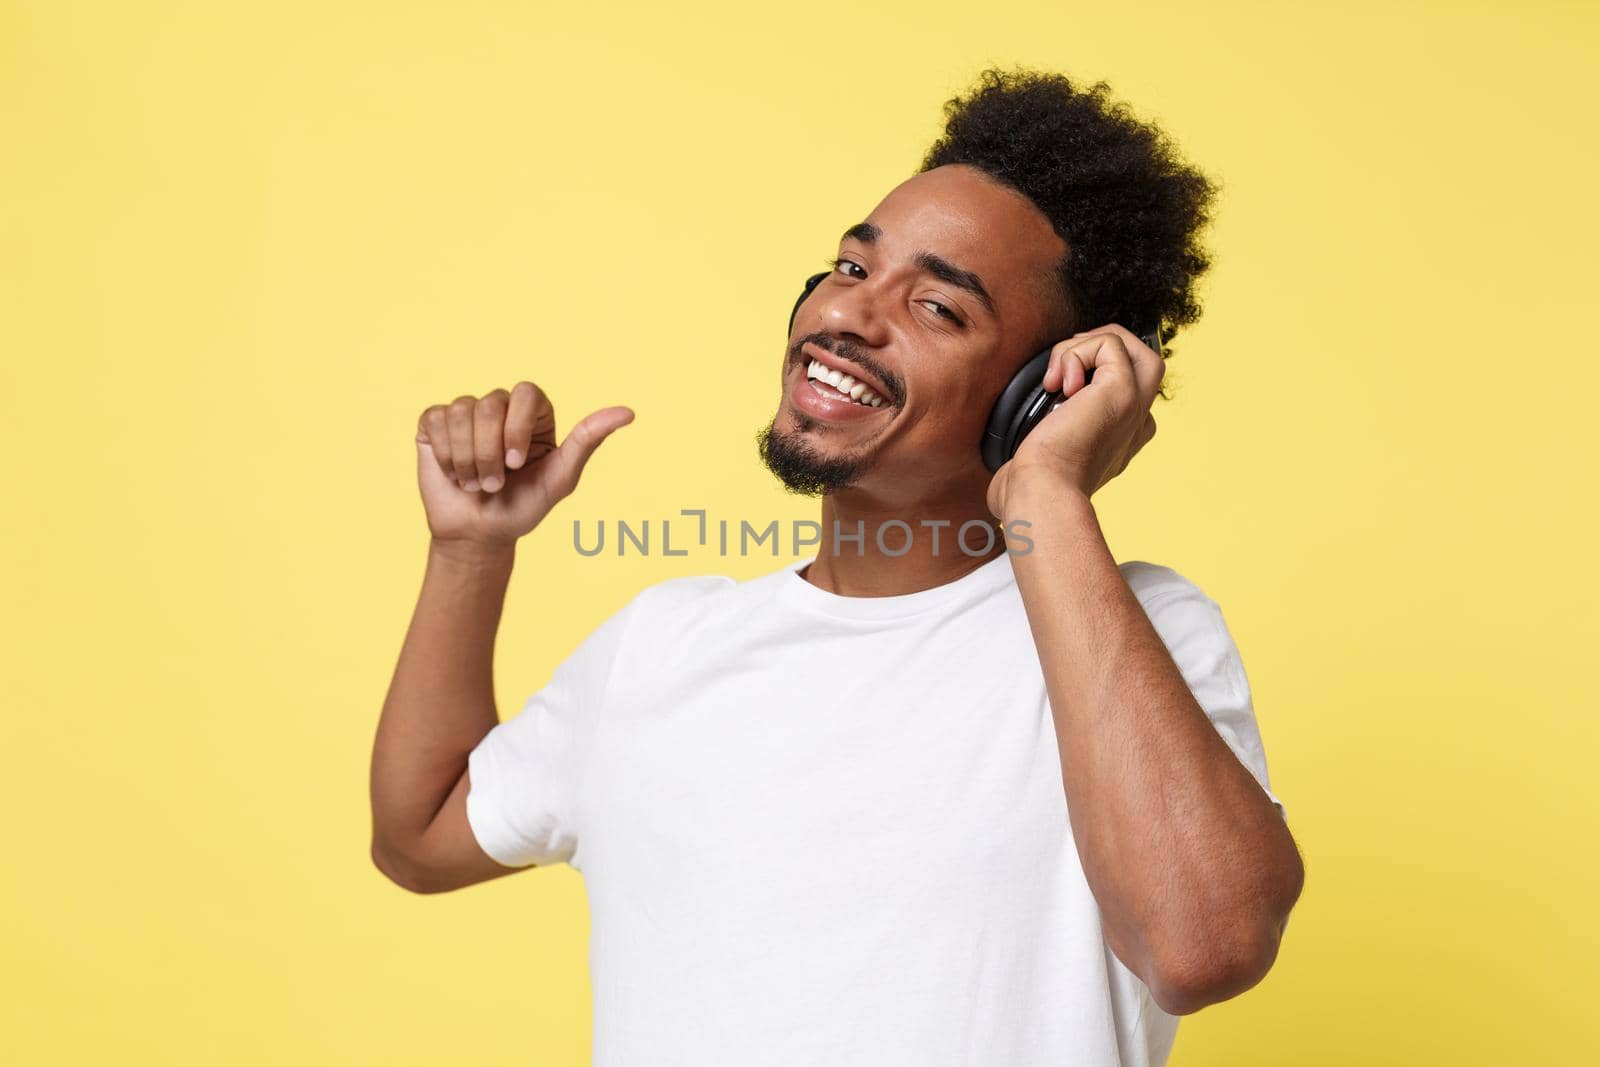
[(854, 310)]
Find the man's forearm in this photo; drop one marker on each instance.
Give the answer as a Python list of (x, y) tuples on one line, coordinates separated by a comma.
[(441, 701), (1189, 860)]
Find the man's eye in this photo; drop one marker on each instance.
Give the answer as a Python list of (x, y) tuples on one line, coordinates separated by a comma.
[(842, 263)]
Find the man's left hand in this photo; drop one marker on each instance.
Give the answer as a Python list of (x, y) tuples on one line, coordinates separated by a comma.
[(1100, 425)]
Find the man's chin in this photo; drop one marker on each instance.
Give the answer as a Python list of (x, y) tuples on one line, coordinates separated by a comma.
[(790, 453)]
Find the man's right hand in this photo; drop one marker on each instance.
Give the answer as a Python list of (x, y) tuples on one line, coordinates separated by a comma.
[(489, 467)]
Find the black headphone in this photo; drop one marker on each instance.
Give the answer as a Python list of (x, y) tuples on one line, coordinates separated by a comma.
[(1023, 403)]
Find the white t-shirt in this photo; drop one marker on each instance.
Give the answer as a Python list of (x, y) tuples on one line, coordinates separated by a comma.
[(818, 829)]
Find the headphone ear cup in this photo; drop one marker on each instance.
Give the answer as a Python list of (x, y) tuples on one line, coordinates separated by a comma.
[(811, 283), (1019, 409)]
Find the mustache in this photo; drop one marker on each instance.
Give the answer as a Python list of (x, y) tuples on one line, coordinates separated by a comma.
[(850, 352)]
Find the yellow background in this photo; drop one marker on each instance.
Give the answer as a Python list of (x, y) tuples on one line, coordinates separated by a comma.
[(243, 246)]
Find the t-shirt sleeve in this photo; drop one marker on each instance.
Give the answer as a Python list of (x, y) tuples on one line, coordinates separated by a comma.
[(524, 773), (1192, 627)]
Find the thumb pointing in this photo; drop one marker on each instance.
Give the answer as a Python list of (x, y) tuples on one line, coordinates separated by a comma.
[(581, 442)]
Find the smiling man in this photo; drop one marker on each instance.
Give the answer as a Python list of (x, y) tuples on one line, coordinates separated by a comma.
[(942, 794)]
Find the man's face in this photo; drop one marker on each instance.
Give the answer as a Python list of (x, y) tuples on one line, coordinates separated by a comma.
[(904, 314)]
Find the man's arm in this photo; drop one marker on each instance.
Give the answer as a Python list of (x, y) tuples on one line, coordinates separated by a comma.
[(440, 705), (1190, 861), (1193, 867), (489, 471)]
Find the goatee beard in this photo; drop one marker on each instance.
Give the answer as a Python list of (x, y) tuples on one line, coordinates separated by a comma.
[(799, 467)]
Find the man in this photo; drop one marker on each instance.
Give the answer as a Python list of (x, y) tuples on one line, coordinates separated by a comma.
[(915, 801)]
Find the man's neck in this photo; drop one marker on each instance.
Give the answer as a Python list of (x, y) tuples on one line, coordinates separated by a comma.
[(901, 549)]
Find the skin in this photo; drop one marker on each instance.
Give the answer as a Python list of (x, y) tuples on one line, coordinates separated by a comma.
[(1198, 910), (921, 460)]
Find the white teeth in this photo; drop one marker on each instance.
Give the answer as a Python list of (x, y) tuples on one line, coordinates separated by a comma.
[(859, 392)]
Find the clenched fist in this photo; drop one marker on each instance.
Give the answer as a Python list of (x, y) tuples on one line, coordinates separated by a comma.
[(489, 467)]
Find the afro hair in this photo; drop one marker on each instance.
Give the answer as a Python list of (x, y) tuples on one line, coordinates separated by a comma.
[(1115, 189)]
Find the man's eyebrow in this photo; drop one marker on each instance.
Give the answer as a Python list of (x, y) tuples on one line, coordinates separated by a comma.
[(865, 232), (936, 265)]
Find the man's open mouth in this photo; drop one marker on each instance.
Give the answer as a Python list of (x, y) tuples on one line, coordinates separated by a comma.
[(839, 386)]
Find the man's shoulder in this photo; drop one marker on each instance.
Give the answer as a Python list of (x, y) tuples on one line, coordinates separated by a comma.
[(698, 593), (672, 594), (1152, 582), (690, 607)]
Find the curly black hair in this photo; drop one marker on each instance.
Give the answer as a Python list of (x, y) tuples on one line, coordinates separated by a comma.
[(1115, 189)]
